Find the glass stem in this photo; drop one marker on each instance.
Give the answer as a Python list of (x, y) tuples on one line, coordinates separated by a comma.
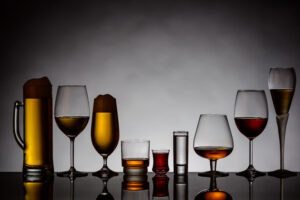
[(213, 165), (250, 190), (251, 153), (104, 161), (281, 123), (72, 153)]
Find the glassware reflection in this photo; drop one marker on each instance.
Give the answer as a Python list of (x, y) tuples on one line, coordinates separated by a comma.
[(105, 195), (213, 193), (160, 187), (38, 188), (135, 187), (180, 188)]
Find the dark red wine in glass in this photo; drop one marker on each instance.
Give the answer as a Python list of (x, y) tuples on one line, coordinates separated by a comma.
[(160, 186), (251, 127), (160, 161)]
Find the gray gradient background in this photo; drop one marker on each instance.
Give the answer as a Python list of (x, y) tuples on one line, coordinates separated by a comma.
[(164, 61)]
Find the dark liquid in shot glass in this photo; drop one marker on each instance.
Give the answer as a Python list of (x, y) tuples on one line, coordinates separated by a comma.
[(160, 186), (160, 162)]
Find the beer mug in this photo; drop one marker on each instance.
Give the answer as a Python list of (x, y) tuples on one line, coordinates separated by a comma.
[(38, 188), (37, 120)]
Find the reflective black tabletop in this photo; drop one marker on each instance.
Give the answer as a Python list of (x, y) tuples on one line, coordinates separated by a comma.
[(13, 186)]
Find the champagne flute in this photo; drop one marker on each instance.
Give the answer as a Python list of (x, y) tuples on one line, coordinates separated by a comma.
[(251, 117), (105, 131), (71, 116), (282, 82), (213, 141)]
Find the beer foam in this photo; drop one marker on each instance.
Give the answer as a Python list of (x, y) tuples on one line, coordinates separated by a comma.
[(37, 88), (105, 103)]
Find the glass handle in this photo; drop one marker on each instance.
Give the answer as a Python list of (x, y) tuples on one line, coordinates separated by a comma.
[(17, 136)]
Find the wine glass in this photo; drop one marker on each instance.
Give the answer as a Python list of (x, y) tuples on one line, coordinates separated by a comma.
[(251, 117), (105, 131), (213, 141), (71, 116), (213, 193), (282, 82)]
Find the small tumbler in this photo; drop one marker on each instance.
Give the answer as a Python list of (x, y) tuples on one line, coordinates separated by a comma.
[(180, 146), (135, 156), (160, 161)]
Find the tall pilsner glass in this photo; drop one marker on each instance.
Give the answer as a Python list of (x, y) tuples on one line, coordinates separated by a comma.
[(105, 131), (282, 82), (72, 115)]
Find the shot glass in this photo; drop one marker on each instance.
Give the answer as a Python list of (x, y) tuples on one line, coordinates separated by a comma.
[(160, 161), (180, 146), (135, 156)]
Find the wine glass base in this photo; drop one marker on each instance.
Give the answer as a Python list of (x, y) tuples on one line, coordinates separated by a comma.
[(213, 173), (251, 173), (72, 173), (282, 173), (105, 172)]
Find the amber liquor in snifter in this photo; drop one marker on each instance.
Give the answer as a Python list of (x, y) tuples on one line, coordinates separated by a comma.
[(72, 126), (212, 152)]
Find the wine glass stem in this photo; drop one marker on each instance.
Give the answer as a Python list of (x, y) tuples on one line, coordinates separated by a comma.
[(213, 165), (104, 161), (251, 153), (250, 190), (72, 153), (281, 123)]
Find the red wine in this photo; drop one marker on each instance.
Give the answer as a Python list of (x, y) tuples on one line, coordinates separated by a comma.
[(251, 127)]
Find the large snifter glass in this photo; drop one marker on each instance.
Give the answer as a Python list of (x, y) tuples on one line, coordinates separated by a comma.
[(213, 141), (282, 83)]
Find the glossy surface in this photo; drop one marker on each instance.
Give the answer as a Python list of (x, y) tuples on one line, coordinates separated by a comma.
[(90, 187)]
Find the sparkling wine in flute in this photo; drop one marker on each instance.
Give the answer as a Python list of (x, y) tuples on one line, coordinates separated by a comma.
[(251, 127), (105, 134), (282, 99), (213, 153), (72, 126), (282, 83)]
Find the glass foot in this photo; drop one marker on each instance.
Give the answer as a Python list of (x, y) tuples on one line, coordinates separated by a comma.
[(251, 173), (72, 173), (213, 173), (105, 172), (282, 173)]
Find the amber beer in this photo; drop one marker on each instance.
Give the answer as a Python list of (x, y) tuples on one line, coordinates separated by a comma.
[(38, 141), (36, 188), (38, 132)]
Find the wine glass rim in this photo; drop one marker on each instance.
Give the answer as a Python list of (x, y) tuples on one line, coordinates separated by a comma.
[(71, 86), (160, 150), (135, 140), (250, 90), (211, 114), (281, 68)]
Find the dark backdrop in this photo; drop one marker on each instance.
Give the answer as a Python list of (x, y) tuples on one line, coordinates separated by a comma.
[(166, 62)]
